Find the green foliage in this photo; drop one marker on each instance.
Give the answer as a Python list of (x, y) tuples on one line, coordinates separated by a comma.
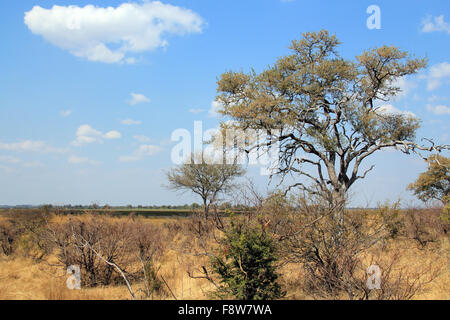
[(152, 282), (246, 264), (392, 219), (435, 182)]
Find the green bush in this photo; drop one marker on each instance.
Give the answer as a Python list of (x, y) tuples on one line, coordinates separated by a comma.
[(245, 264), (152, 282)]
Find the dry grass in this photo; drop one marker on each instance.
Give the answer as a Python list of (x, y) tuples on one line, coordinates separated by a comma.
[(24, 278), (412, 257)]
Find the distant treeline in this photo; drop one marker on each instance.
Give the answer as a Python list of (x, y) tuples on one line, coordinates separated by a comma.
[(154, 210), (96, 206)]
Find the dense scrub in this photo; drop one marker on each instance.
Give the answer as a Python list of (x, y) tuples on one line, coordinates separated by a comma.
[(282, 248)]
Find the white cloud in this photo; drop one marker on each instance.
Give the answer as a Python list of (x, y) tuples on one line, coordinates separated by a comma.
[(9, 159), (17, 161), (433, 24), (31, 146), (65, 113), (34, 164), (138, 98), (86, 134), (440, 70), (112, 135), (147, 150), (405, 87), (439, 109), (141, 138), (215, 107), (81, 160), (435, 98), (130, 28), (130, 122), (129, 158), (196, 111), (436, 75), (131, 60), (390, 109), (142, 151)]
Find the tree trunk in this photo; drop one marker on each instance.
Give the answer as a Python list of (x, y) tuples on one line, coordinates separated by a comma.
[(338, 205), (205, 207)]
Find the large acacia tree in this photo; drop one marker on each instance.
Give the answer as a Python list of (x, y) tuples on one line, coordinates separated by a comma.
[(329, 110)]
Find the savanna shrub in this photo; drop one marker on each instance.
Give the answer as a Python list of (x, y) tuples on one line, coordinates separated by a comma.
[(153, 284), (19, 230), (8, 237), (85, 240), (333, 254), (425, 225), (246, 264)]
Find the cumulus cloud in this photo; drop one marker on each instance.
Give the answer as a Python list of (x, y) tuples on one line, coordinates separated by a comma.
[(65, 113), (147, 150), (31, 146), (142, 151), (141, 138), (387, 109), (112, 135), (9, 159), (435, 24), (17, 161), (433, 98), (112, 34), (215, 107), (129, 158), (130, 122), (439, 109), (405, 86), (436, 75), (81, 160), (86, 134), (196, 111), (138, 98)]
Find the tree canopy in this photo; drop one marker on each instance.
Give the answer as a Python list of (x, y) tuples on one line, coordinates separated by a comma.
[(329, 110), (208, 181), (433, 184)]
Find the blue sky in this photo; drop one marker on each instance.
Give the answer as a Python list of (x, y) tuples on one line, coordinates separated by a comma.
[(89, 97)]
